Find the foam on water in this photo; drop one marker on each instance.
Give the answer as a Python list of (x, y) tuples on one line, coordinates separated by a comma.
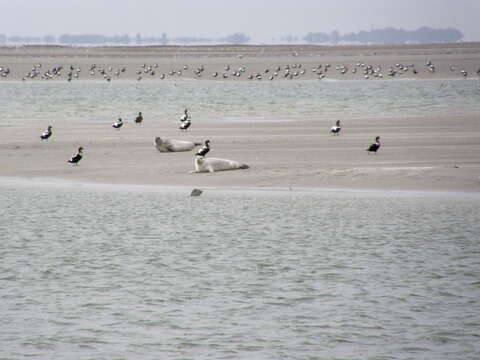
[(147, 274)]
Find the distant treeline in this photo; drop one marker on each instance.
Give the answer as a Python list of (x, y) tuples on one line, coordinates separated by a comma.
[(378, 36), (93, 39), (388, 36), (27, 39)]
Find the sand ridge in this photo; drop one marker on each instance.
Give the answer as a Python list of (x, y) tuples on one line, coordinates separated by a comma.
[(427, 160)]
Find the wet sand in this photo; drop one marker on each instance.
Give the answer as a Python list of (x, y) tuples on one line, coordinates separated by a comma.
[(424, 153)]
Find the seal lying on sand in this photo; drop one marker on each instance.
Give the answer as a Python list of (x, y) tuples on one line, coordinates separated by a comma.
[(171, 145), (203, 164)]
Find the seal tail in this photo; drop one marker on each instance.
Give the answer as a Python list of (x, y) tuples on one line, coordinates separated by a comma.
[(197, 143), (244, 166)]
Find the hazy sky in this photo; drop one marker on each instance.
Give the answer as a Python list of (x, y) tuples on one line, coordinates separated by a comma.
[(262, 20)]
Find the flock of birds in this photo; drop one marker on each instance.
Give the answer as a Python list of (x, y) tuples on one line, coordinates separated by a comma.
[(185, 123), (75, 159), (288, 71)]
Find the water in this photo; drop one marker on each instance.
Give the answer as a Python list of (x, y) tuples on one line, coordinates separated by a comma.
[(216, 101), (132, 272), (138, 272)]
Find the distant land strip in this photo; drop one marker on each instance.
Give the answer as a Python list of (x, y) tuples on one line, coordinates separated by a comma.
[(388, 35)]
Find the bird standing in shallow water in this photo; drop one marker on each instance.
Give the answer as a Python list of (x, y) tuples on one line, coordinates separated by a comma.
[(375, 146), (47, 133), (77, 157), (204, 149), (118, 124), (335, 130)]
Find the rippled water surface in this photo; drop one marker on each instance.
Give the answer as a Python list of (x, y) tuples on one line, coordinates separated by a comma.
[(212, 101), (132, 273)]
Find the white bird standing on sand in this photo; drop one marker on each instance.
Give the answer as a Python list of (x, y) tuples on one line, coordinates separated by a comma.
[(118, 124), (47, 133), (204, 149), (335, 130), (375, 146), (77, 157)]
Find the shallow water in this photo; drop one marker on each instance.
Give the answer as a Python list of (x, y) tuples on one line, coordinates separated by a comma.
[(147, 273), (217, 101)]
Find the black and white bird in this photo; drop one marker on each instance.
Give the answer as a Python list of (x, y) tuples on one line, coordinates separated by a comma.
[(47, 133), (375, 146), (185, 125), (185, 121), (335, 130), (185, 116), (139, 118), (77, 157), (118, 124), (204, 149)]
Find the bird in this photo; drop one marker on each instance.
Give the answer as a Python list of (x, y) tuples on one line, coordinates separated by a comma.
[(185, 125), (185, 116), (47, 133), (335, 130), (375, 146), (204, 149), (118, 124), (139, 118), (77, 157)]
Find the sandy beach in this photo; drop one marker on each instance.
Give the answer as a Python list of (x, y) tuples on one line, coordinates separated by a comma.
[(417, 153)]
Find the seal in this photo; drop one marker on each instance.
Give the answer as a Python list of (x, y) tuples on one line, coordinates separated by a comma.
[(196, 192), (172, 145), (203, 164)]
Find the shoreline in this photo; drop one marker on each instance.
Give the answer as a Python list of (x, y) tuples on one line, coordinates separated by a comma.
[(244, 80), (59, 183)]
